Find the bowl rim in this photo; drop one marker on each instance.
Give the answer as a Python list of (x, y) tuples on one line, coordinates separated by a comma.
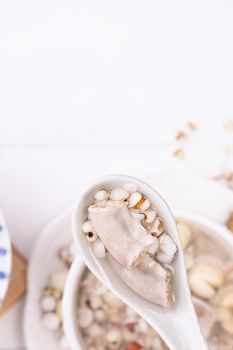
[(5, 259), (78, 267)]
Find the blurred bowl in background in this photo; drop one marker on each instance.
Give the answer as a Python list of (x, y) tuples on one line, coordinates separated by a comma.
[(71, 293), (5, 259)]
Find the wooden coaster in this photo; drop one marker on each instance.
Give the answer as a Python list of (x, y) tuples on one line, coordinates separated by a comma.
[(18, 281)]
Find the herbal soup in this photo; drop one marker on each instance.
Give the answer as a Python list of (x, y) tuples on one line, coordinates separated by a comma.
[(123, 223), (106, 323)]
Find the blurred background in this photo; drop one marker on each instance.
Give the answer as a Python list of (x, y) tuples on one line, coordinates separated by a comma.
[(90, 88)]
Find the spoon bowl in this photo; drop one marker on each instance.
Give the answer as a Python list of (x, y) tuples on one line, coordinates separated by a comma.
[(178, 324)]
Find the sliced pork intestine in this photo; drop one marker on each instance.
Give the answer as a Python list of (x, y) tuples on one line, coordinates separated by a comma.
[(124, 238), (149, 279), (218, 339)]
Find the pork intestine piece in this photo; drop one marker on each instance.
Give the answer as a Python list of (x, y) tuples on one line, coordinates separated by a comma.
[(124, 238), (149, 279)]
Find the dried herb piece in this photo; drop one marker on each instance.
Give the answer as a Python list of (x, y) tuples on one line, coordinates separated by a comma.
[(181, 135), (178, 153), (192, 126)]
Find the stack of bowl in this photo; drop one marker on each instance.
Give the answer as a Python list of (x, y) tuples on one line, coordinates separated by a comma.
[(5, 259)]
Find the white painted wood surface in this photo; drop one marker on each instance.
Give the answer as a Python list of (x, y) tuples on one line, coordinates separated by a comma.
[(116, 72), (88, 88)]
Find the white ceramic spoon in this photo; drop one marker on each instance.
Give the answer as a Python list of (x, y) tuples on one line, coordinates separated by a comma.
[(178, 325)]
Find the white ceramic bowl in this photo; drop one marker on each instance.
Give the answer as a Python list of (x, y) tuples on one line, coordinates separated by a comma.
[(5, 259), (72, 287)]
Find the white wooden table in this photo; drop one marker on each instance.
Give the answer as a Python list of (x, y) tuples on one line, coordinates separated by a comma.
[(89, 88)]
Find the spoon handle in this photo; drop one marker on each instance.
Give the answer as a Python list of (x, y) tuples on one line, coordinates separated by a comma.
[(184, 336), (179, 331)]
